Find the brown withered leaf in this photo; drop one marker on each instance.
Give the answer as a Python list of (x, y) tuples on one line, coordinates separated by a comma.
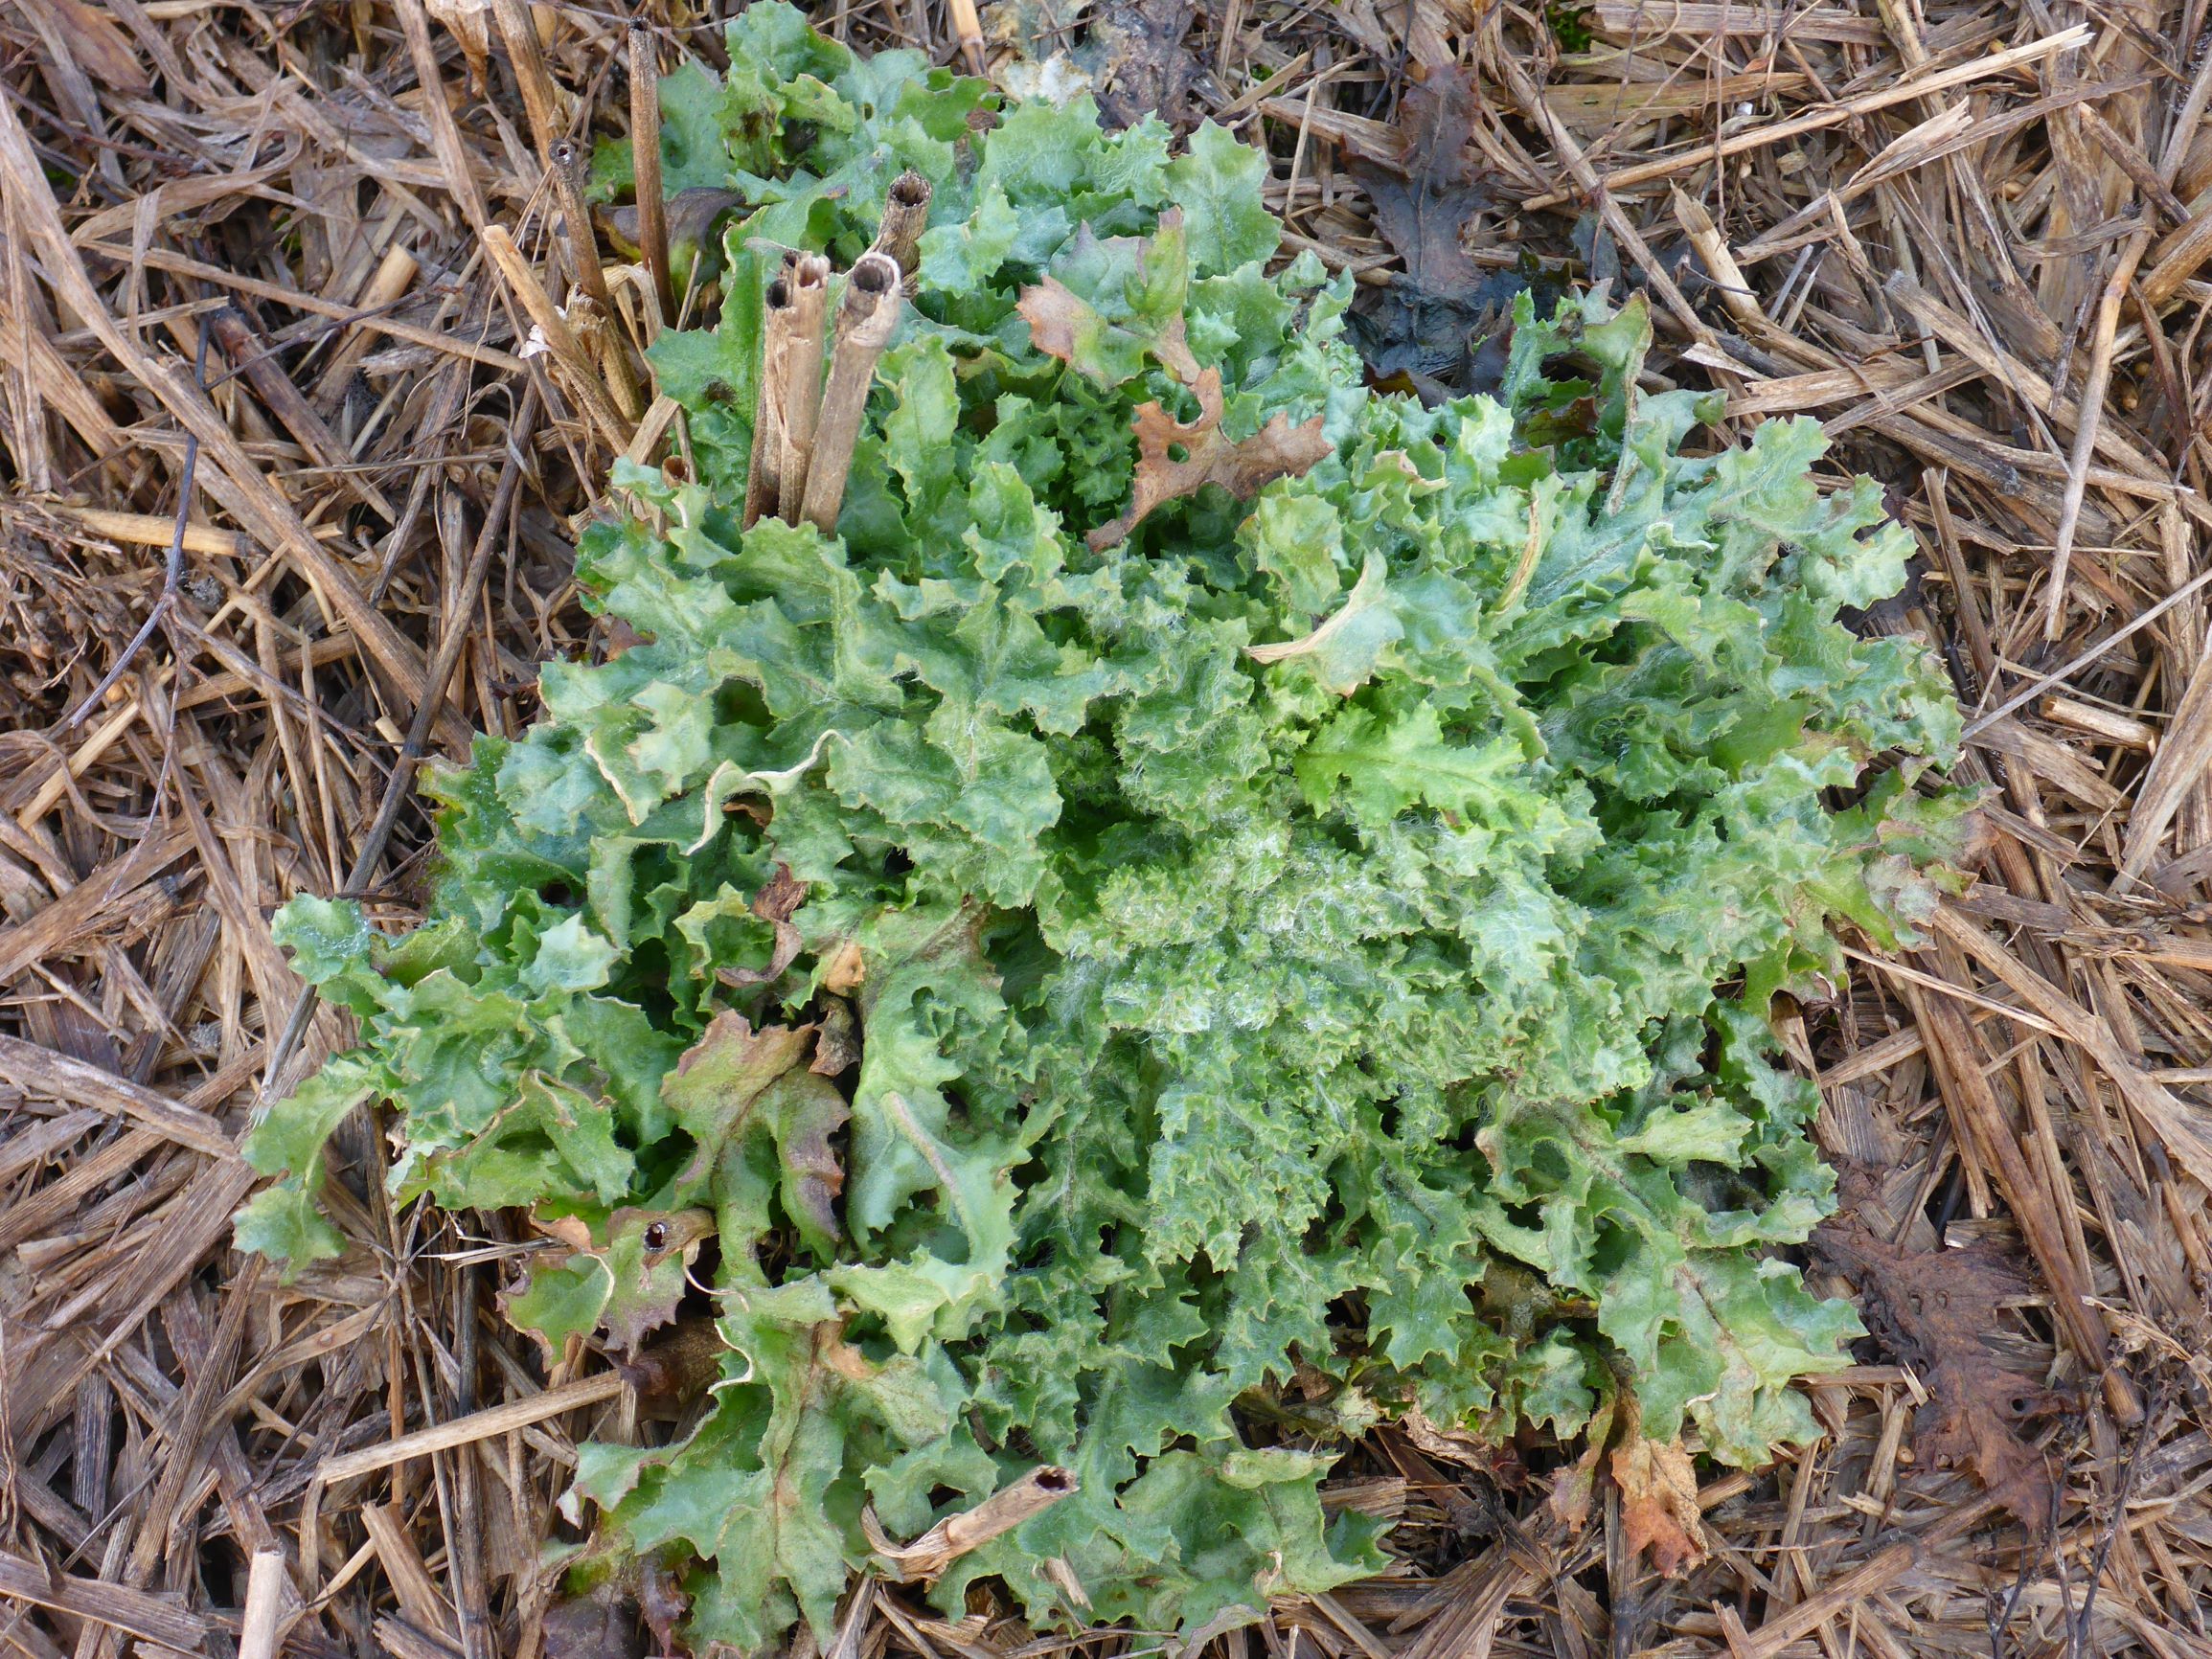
[(1134, 52), (96, 41), (693, 219), (663, 1601), (1277, 450), (1933, 1309), (1660, 1503), (775, 904), (1063, 323), (928, 1556), (601, 1624), (1430, 324), (837, 1043), (842, 969), (670, 1373), (810, 1111)]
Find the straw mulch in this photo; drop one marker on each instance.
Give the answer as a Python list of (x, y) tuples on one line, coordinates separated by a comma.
[(244, 266)]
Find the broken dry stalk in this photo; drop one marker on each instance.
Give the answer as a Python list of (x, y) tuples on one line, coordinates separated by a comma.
[(763, 478), (394, 276), (802, 380), (526, 54), (905, 213), (2093, 408), (652, 227), (968, 25), (577, 367), (865, 318), (602, 340), (928, 1556), (564, 168)]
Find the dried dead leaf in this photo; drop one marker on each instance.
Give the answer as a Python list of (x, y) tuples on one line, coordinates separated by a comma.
[(1660, 1503), (1427, 194), (952, 1537), (601, 1624), (1135, 56), (774, 903), (837, 1041), (98, 42), (843, 971), (1277, 450), (1934, 1309), (670, 1373), (1064, 324)]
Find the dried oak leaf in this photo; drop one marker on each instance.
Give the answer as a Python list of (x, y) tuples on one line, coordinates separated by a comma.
[(1140, 282), (1660, 1503), (1425, 195), (1933, 1307), (1277, 450)]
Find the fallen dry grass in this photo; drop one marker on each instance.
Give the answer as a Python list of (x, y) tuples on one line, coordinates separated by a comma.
[(289, 508)]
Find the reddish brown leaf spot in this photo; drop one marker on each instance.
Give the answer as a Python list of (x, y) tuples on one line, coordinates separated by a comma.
[(1277, 450)]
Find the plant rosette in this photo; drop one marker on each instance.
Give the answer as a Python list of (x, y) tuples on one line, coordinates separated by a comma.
[(1220, 907)]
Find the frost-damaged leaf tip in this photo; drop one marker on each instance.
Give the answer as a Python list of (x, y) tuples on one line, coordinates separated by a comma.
[(1185, 908)]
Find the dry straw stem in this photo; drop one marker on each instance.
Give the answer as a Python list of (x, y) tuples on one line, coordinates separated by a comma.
[(233, 479), (2102, 328), (253, 358), (387, 286), (866, 317), (801, 377), (968, 27), (779, 322), (1903, 91), (564, 168), (259, 1632), (652, 225), (905, 215), (487, 1425), (151, 530), (541, 98), (579, 372)]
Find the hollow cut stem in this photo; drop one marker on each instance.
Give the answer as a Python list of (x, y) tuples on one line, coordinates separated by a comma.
[(905, 215), (764, 478), (802, 380), (865, 317)]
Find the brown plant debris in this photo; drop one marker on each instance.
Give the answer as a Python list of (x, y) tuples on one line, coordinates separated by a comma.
[(1658, 1485), (1937, 1309), (1135, 53), (1209, 456), (945, 1543), (1427, 191)]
